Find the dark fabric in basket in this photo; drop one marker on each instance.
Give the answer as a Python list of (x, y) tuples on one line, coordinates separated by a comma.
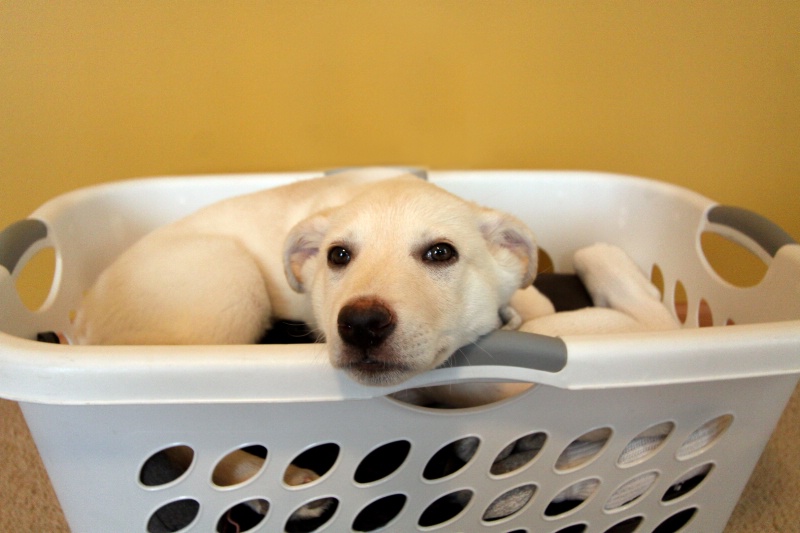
[(566, 291)]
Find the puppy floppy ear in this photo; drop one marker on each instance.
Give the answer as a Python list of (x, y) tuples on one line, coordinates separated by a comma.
[(512, 244), (302, 243)]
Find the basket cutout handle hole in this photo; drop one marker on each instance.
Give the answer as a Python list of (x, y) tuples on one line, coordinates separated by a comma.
[(34, 281), (166, 466), (732, 262)]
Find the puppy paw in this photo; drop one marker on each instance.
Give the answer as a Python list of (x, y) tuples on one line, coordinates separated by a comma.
[(616, 282), (510, 318), (611, 276)]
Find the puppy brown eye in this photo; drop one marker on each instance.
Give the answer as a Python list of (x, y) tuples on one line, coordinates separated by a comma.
[(338, 256), (440, 252)]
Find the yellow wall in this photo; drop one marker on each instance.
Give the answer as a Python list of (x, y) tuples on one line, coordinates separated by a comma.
[(702, 94)]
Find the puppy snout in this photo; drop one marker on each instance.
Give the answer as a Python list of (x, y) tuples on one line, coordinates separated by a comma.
[(365, 323)]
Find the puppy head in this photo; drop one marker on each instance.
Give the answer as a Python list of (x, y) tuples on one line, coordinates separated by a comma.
[(404, 274)]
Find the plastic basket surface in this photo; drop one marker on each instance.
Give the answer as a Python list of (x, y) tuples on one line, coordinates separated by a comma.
[(714, 395)]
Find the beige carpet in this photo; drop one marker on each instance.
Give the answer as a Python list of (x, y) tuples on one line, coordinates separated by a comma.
[(770, 503)]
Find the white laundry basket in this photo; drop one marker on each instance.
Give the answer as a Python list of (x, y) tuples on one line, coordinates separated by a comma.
[(711, 396)]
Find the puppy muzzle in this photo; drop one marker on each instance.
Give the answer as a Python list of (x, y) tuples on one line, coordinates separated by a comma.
[(365, 323)]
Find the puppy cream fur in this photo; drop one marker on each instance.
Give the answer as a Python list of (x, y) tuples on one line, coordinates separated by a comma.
[(224, 273)]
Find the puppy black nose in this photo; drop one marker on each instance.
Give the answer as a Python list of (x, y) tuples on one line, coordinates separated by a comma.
[(365, 322)]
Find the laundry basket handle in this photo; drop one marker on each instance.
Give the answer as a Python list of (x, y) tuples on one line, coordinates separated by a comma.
[(513, 348), (768, 235), (17, 239)]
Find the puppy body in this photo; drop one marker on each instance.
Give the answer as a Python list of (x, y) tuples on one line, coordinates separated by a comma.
[(214, 277), (224, 273)]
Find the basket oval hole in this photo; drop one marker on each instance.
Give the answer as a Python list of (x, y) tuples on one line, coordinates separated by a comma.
[(576, 528), (312, 515), (687, 483), (166, 466), (244, 516), (704, 437), (35, 280), (732, 262), (676, 522), (311, 464), (446, 508), (583, 450), (239, 466), (451, 458), (645, 444), (545, 262), (681, 301), (572, 497), (509, 503), (630, 491), (382, 461), (705, 318), (174, 516), (626, 526), (657, 278), (518, 454), (379, 513)]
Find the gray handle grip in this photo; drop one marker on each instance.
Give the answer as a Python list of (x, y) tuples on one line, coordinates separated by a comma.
[(513, 348), (769, 236), (17, 238)]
